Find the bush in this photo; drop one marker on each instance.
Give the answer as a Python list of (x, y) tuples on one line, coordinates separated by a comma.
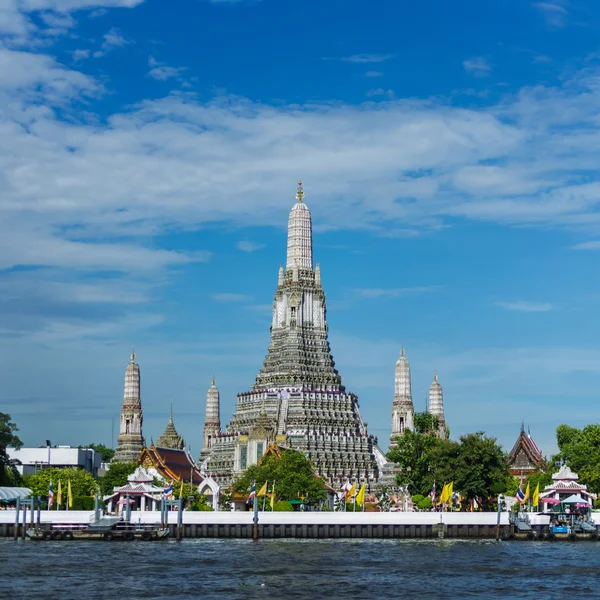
[(417, 498), (283, 506), (425, 503)]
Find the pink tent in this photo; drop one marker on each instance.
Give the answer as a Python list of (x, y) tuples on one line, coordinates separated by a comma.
[(550, 500)]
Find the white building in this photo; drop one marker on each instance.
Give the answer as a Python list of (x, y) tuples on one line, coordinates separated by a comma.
[(33, 459)]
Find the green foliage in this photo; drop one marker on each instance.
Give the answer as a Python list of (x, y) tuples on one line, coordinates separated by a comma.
[(82, 483), (580, 450), (425, 503), (481, 469), (426, 423), (193, 499), (293, 474), (512, 485), (8, 439), (423, 458), (543, 479), (116, 476), (283, 506), (417, 498), (105, 452), (476, 464)]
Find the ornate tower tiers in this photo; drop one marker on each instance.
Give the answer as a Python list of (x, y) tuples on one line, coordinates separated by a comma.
[(130, 441), (436, 404), (402, 409), (298, 399)]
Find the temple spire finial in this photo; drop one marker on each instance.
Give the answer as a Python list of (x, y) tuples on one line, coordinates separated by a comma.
[(300, 192), (402, 353), (171, 414), (132, 355), (213, 382)]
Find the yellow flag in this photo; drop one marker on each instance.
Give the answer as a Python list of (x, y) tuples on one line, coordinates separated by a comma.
[(536, 495), (526, 494), (69, 496), (263, 490), (444, 494), (181, 490), (272, 496), (59, 494), (360, 497), (351, 491)]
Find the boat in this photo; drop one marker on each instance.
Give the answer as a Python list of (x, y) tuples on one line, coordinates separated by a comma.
[(105, 528)]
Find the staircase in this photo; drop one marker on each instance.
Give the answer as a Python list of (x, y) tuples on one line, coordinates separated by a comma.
[(283, 412)]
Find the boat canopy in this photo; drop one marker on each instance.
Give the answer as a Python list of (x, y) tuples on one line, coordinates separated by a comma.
[(8, 494)]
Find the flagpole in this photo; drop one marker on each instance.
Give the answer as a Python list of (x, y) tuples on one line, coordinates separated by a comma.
[(265, 496), (255, 518)]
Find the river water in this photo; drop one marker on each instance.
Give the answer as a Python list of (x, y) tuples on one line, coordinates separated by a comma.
[(206, 568)]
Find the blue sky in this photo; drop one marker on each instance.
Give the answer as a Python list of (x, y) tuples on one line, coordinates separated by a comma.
[(149, 154)]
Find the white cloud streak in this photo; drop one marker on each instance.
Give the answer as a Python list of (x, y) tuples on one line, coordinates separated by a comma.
[(477, 66), (526, 306), (248, 246)]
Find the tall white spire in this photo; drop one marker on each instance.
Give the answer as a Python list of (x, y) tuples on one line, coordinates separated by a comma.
[(436, 403), (130, 441), (299, 247), (402, 408), (212, 420)]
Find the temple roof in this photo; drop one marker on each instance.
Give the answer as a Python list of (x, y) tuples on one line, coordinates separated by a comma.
[(170, 438), (172, 464), (565, 474), (525, 449)]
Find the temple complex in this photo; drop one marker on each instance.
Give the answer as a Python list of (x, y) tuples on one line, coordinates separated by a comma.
[(526, 458), (402, 408), (298, 399), (170, 438), (130, 441)]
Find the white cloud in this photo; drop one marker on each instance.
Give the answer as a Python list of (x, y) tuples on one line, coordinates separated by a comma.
[(373, 74), (226, 297), (525, 306), (594, 245), (80, 54), (113, 39), (161, 71), (15, 15), (477, 66), (247, 246), (367, 58), (553, 11)]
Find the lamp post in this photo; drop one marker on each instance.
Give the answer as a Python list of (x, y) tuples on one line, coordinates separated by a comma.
[(48, 446)]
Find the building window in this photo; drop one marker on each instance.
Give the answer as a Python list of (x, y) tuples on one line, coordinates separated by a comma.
[(259, 451), (401, 424), (127, 426), (243, 457)]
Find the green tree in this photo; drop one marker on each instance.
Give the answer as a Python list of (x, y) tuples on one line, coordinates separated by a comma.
[(580, 450), (116, 476), (481, 468), (8, 439), (83, 485), (293, 474), (543, 479), (423, 457), (106, 453), (193, 499)]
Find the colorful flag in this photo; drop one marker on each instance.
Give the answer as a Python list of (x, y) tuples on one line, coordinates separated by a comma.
[(252, 493), (263, 490), (526, 493), (444, 495), (181, 490), (520, 495), (59, 494), (432, 493), (536, 496), (351, 491), (273, 497), (450, 491), (360, 497), (69, 495), (168, 490), (50, 496)]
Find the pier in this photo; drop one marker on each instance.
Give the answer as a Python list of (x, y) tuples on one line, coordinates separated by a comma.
[(306, 525)]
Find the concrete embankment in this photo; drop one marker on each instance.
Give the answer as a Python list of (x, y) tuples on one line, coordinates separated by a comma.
[(304, 524)]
